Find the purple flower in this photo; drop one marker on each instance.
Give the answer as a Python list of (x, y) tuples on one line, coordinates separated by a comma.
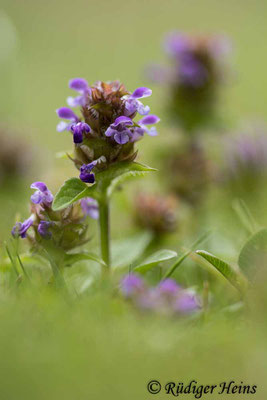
[(176, 44), (131, 284), (66, 113), (42, 195), (90, 207), (168, 286), (192, 72), (124, 131), (187, 302), (43, 229), (86, 174), (81, 86), (78, 130), (20, 228), (133, 105)]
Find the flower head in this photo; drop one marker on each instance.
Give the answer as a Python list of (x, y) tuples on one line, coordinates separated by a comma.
[(156, 213), (106, 126), (195, 72)]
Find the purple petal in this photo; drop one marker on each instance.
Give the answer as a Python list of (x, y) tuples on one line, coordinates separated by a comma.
[(110, 132), (141, 92), (90, 207), (20, 228), (131, 284), (142, 110), (149, 120), (123, 119), (78, 84), (43, 229), (168, 286), (39, 186), (121, 137), (75, 101), (152, 131), (67, 113), (63, 126)]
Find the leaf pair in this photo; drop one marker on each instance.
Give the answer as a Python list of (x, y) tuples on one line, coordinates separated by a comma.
[(106, 181)]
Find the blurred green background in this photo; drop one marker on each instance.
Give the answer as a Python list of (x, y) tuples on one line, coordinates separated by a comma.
[(101, 349)]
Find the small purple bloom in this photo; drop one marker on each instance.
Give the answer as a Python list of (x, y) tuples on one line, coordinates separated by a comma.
[(43, 229), (122, 120), (78, 84), (66, 113), (131, 284), (42, 195), (81, 86), (187, 302), (86, 174), (20, 228), (78, 130), (149, 120), (90, 207), (141, 92), (133, 105), (168, 286)]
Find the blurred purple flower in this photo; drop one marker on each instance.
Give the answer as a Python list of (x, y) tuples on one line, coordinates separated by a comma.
[(90, 207), (186, 302), (43, 229), (21, 228), (131, 284)]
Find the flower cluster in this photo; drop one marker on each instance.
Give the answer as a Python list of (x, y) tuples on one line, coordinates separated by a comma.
[(167, 297), (66, 228), (106, 131), (156, 213), (197, 68)]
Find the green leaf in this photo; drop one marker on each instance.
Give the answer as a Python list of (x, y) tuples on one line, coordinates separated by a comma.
[(233, 276), (106, 181), (178, 262), (155, 259), (70, 259), (71, 191), (126, 251), (253, 255), (122, 172)]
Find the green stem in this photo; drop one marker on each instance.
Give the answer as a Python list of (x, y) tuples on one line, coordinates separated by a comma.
[(104, 230)]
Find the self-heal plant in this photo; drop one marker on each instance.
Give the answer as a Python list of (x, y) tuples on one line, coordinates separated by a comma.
[(53, 234), (104, 137), (196, 71)]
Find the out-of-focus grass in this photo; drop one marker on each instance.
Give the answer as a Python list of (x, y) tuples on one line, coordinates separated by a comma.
[(99, 348)]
